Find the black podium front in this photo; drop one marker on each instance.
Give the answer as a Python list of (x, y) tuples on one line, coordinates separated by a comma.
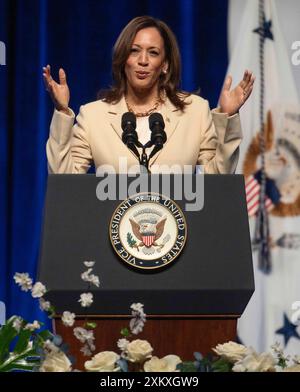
[(212, 277)]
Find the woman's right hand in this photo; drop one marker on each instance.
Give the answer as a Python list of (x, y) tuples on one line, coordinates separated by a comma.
[(59, 92)]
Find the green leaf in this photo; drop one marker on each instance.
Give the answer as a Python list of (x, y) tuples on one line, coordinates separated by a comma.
[(22, 359), (187, 366), (45, 335), (282, 362), (90, 325), (204, 365), (22, 365), (131, 241), (23, 340), (222, 365), (125, 332), (51, 312), (29, 363), (7, 334)]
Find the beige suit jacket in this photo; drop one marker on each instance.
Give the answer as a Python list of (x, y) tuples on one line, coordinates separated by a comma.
[(195, 137)]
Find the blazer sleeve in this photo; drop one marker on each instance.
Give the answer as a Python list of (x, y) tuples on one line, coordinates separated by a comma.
[(219, 147), (68, 148)]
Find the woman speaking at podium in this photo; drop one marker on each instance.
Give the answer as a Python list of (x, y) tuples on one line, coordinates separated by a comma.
[(146, 78)]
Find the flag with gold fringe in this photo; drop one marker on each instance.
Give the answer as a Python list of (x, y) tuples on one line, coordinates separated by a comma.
[(270, 162)]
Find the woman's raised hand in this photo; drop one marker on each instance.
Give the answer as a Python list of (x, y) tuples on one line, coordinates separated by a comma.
[(231, 100), (59, 92)]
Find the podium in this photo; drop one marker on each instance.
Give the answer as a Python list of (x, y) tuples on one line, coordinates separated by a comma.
[(191, 305)]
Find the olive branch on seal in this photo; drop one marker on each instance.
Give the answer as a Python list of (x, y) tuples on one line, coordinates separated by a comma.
[(131, 241)]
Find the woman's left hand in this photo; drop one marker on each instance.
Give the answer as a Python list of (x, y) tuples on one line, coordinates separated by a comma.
[(231, 101)]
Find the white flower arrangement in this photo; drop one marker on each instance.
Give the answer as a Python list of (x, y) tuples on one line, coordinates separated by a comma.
[(166, 364), (231, 351), (138, 351), (106, 361), (56, 361), (42, 351)]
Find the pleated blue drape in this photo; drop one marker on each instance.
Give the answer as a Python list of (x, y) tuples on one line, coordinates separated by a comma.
[(78, 36)]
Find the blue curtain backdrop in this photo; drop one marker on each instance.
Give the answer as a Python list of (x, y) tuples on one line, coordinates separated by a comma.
[(77, 35)]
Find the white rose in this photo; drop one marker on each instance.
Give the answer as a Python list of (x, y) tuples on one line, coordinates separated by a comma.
[(165, 364), (231, 351), (138, 350), (254, 362), (294, 368), (103, 362), (56, 362)]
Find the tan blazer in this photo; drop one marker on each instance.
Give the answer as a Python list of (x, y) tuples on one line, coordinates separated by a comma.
[(195, 137)]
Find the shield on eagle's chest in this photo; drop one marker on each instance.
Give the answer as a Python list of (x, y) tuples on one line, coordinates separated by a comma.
[(148, 239)]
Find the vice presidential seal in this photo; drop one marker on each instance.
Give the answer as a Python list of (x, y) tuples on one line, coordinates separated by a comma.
[(148, 231)]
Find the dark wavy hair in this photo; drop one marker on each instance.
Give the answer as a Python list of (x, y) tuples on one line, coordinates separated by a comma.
[(168, 83)]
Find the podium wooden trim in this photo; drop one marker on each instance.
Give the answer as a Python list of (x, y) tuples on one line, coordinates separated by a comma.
[(181, 335)]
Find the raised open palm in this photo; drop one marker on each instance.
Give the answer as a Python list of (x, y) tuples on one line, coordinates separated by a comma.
[(59, 92), (232, 100)]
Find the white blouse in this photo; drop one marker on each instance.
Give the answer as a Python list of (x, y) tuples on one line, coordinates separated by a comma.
[(143, 130)]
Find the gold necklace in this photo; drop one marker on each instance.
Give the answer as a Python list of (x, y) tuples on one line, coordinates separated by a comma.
[(143, 114)]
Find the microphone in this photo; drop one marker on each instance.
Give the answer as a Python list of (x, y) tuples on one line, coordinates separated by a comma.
[(129, 135), (158, 134)]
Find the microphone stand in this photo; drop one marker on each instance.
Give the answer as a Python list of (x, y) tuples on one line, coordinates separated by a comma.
[(144, 159), (130, 137)]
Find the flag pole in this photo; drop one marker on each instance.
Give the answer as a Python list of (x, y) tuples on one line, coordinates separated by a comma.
[(261, 236)]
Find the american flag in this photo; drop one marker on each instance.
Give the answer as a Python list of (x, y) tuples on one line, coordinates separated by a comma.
[(148, 239), (252, 196)]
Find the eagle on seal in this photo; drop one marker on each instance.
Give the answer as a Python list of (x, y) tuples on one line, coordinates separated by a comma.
[(148, 233)]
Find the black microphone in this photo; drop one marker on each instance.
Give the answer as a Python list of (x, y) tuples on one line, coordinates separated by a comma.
[(158, 134), (129, 136)]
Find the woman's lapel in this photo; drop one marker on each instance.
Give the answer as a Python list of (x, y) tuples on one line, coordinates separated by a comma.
[(171, 116), (170, 113)]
